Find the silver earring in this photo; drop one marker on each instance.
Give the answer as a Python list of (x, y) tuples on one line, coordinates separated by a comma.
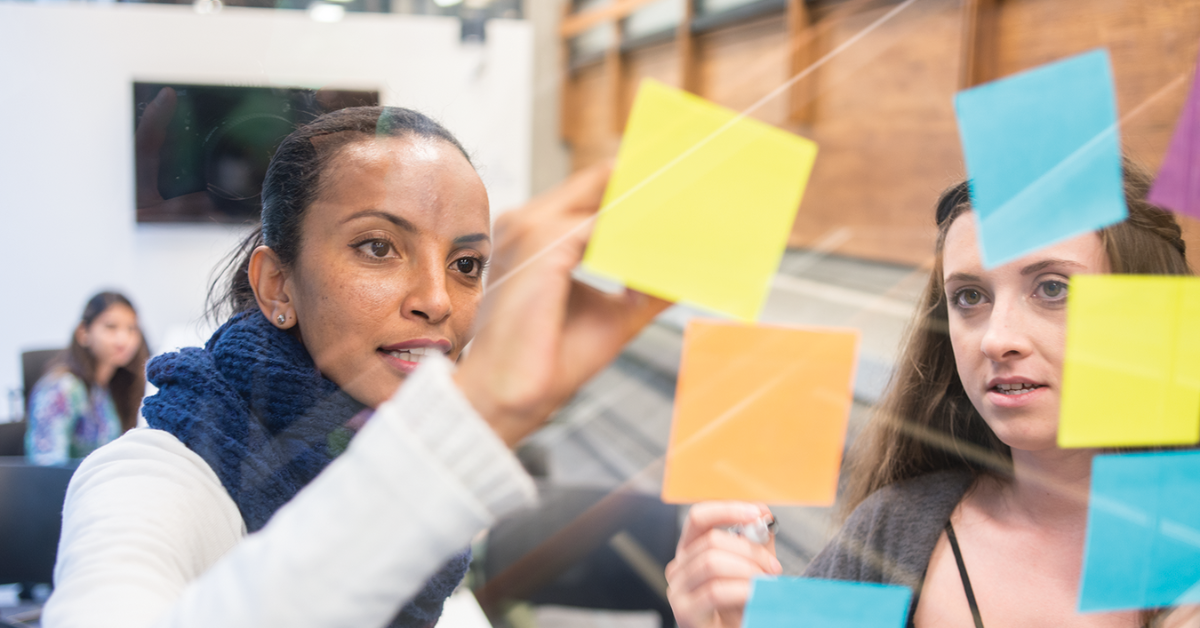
[(281, 318)]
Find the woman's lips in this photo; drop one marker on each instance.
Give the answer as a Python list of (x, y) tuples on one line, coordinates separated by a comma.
[(407, 356), (1015, 395)]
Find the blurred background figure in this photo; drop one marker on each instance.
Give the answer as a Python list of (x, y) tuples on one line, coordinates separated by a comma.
[(92, 394)]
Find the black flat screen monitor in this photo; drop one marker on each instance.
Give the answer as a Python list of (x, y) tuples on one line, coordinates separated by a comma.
[(201, 151)]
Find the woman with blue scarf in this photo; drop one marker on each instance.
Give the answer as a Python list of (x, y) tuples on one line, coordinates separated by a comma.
[(321, 461)]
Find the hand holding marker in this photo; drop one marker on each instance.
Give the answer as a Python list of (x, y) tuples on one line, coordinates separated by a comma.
[(758, 531)]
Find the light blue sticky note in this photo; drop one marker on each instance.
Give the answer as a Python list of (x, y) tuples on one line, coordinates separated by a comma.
[(789, 601), (1143, 535), (1043, 155)]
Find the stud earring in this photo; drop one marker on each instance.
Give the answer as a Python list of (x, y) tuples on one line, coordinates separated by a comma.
[(281, 318)]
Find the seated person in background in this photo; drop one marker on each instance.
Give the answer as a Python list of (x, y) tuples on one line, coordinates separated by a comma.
[(963, 446), (248, 503), (92, 394)]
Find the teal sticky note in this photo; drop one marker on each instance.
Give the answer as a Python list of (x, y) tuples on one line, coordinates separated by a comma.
[(789, 601), (1143, 534), (1043, 155)]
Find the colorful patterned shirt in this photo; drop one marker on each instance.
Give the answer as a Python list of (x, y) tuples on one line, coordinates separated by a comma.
[(67, 420)]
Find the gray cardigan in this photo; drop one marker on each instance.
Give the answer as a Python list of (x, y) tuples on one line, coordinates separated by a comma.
[(889, 538)]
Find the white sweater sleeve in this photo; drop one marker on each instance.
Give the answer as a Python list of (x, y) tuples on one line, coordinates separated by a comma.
[(151, 538)]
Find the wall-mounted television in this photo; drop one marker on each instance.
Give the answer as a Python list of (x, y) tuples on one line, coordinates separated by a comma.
[(201, 151)]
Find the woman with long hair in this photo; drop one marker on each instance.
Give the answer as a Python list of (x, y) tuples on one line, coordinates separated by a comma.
[(92, 393), (961, 456), (321, 461)]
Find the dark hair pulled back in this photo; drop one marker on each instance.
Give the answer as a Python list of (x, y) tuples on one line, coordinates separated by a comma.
[(292, 183)]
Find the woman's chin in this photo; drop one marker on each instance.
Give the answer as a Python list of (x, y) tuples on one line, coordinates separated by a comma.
[(1031, 436), (373, 388), (1026, 431)]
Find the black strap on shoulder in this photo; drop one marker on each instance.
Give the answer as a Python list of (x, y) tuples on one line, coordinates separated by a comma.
[(962, 571)]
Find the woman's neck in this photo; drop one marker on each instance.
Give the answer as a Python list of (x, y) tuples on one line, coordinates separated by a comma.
[(104, 374), (1049, 485)]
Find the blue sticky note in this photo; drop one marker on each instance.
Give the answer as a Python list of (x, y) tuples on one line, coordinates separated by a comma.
[(789, 601), (1143, 535), (1043, 155)]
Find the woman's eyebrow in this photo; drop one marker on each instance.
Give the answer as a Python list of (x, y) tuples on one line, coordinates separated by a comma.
[(1046, 263), (392, 218), (961, 277), (474, 237)]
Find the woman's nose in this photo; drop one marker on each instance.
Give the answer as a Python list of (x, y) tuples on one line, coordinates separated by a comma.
[(428, 297), (1007, 335)]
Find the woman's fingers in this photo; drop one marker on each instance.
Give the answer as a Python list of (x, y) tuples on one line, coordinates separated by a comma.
[(708, 515), (554, 226), (723, 564), (710, 576), (716, 604), (543, 334)]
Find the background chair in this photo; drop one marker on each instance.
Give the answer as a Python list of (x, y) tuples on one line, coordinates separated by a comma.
[(33, 366), (12, 438), (31, 502), (583, 547)]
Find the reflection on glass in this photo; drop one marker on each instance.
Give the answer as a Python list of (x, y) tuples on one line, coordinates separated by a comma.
[(201, 151)]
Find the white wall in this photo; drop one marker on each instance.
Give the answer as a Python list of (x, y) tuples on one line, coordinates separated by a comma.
[(67, 225)]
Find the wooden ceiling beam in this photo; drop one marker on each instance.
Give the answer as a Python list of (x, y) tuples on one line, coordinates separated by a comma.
[(577, 23)]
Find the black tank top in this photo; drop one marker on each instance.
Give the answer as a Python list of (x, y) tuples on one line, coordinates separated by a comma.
[(962, 571)]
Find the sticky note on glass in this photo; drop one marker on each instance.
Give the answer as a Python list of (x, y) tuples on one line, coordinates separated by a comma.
[(1131, 370), (1043, 155), (1178, 184), (786, 602), (700, 203), (1143, 534), (760, 413)]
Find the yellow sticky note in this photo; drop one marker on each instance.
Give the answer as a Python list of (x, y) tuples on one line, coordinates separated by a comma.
[(1131, 372), (760, 413), (700, 203)]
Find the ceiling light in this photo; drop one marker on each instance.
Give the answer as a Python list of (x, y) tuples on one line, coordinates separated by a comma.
[(204, 7), (447, 3), (326, 12)]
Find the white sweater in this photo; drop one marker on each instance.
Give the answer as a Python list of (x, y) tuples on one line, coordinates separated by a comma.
[(151, 538)]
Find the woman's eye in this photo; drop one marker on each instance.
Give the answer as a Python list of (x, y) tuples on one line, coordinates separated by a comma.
[(467, 265), (968, 297), (376, 248), (1053, 290)]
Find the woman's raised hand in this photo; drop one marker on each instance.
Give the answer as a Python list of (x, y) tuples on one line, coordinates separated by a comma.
[(542, 334), (709, 580)]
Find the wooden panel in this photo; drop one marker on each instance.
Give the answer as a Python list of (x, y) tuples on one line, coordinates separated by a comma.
[(802, 47), (980, 23), (589, 110), (741, 64), (1152, 44), (660, 62), (884, 121), (882, 111), (685, 42), (577, 23)]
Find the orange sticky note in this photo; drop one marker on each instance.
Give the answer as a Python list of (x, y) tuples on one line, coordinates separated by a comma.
[(760, 413)]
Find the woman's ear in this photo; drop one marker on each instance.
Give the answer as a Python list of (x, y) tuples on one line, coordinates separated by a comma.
[(272, 287), (81, 336)]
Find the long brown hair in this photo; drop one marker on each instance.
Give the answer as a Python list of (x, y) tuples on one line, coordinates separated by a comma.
[(128, 383), (925, 422)]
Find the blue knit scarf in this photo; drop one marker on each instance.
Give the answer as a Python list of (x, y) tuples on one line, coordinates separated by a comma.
[(252, 404)]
